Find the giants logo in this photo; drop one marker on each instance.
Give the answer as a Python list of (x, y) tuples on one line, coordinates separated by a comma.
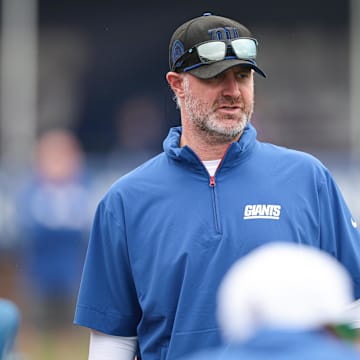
[(261, 211), (225, 33)]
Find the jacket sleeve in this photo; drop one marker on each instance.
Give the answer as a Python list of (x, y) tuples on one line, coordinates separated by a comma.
[(107, 299), (339, 232)]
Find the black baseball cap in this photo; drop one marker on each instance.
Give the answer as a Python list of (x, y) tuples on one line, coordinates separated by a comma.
[(200, 30)]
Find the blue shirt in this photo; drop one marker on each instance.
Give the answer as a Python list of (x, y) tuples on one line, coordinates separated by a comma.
[(54, 223), (283, 345), (165, 234)]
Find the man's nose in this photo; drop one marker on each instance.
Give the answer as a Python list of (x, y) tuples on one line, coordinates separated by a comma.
[(231, 85)]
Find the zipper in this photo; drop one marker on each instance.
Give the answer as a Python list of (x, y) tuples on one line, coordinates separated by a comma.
[(212, 184), (214, 203)]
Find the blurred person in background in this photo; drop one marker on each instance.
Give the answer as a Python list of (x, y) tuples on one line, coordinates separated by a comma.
[(54, 221), (285, 301), (165, 233), (9, 326)]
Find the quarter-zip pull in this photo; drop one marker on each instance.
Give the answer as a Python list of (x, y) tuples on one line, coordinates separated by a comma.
[(210, 165)]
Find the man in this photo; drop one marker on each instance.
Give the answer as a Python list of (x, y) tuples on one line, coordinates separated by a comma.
[(166, 233), (9, 326), (285, 301)]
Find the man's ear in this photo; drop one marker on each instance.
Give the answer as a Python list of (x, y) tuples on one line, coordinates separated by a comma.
[(175, 80)]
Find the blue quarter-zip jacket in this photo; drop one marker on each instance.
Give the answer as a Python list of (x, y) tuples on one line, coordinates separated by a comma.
[(165, 234)]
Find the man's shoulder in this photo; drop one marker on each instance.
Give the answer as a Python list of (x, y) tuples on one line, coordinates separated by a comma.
[(140, 177), (285, 154)]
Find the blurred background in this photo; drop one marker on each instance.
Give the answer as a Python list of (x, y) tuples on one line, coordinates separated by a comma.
[(83, 99)]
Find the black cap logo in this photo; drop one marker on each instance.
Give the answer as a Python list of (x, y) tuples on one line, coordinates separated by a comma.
[(177, 51)]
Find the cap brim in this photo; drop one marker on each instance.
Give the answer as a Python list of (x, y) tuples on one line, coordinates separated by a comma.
[(216, 68)]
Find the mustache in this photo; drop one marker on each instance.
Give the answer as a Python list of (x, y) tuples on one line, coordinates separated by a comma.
[(229, 101)]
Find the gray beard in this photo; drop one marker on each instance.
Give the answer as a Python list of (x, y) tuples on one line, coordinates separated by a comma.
[(217, 135), (210, 126)]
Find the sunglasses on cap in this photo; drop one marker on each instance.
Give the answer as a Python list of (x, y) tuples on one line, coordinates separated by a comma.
[(217, 50)]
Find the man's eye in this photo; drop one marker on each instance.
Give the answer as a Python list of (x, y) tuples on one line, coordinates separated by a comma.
[(218, 76), (243, 75)]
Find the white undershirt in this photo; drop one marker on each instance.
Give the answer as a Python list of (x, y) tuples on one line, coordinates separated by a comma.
[(211, 166), (109, 347)]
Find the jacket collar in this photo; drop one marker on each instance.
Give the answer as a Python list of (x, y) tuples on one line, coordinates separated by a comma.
[(236, 152)]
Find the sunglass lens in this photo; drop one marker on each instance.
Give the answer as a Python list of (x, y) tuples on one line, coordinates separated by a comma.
[(211, 51), (244, 48)]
